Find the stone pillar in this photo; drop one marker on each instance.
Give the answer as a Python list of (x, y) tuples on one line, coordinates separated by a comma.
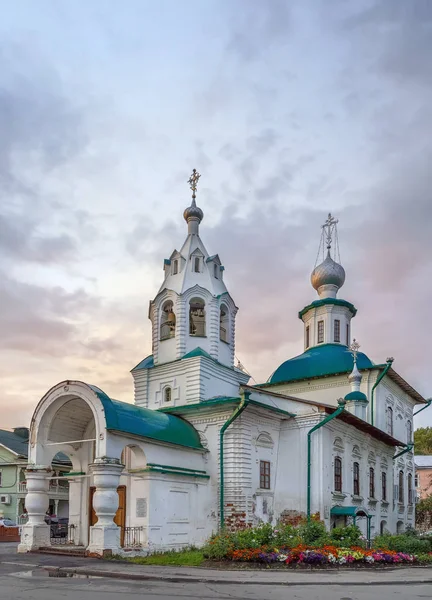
[(56, 505), (36, 533), (105, 534)]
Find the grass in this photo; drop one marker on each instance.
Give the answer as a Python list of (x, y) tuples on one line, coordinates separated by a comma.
[(185, 558)]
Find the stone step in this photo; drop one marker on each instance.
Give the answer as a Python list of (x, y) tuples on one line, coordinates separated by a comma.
[(63, 550)]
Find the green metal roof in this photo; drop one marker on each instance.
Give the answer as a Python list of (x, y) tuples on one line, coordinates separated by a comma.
[(356, 396), (147, 423), (349, 511), (197, 352), (324, 301), (319, 361), (146, 363)]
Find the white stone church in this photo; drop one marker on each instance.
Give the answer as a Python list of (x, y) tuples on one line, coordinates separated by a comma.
[(199, 449)]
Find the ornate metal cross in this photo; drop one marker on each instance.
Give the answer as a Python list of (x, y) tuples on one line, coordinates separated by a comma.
[(355, 347), (328, 227), (193, 182)]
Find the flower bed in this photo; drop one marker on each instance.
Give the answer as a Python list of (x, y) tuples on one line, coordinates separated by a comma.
[(327, 555)]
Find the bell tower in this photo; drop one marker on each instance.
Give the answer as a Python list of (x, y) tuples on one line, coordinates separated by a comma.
[(193, 315), (328, 319)]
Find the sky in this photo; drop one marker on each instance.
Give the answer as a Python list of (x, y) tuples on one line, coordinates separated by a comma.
[(288, 109)]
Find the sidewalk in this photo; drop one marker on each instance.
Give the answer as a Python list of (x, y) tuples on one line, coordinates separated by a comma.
[(387, 576)]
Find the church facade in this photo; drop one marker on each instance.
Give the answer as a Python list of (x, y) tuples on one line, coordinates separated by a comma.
[(329, 433)]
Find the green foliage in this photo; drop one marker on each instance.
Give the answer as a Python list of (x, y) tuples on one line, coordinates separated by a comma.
[(423, 440), (426, 559), (313, 533), (409, 544), (187, 558), (286, 536), (347, 536), (253, 537), (219, 545)]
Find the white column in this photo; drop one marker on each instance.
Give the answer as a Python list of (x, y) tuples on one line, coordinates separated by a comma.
[(56, 504), (36, 533), (105, 535)]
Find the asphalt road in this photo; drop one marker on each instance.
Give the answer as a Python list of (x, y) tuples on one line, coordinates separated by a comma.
[(22, 578)]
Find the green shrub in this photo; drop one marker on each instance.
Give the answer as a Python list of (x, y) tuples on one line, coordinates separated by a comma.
[(286, 536), (218, 546), (313, 533), (347, 536), (254, 537), (409, 544)]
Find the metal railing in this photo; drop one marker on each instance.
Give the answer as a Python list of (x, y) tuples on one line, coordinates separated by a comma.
[(22, 487), (133, 537), (54, 488), (63, 534)]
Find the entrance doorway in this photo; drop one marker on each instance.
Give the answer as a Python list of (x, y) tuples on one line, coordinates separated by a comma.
[(120, 516)]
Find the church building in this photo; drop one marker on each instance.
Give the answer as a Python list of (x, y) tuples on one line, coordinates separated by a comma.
[(329, 433)]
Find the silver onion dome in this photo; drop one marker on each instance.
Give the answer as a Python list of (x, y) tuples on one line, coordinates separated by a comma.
[(328, 272), (193, 212)]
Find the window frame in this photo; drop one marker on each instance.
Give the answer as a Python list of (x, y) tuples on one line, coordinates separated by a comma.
[(347, 334), (197, 264), (410, 489), (389, 424), (167, 392), (336, 330), (356, 479), (320, 332), (371, 482), (337, 474), (175, 267), (307, 341), (196, 300), (265, 474), (384, 486), (216, 271)]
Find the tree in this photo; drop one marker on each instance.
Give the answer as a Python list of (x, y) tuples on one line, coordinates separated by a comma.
[(423, 440)]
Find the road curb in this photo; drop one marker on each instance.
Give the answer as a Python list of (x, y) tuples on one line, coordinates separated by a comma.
[(194, 579)]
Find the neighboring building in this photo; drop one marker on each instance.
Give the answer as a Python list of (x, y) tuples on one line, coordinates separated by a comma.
[(13, 489), (423, 476), (329, 433)]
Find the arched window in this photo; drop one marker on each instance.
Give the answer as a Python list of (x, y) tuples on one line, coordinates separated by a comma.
[(337, 330), (307, 336), (409, 432), (167, 394), (356, 479), (384, 486), (401, 487), (338, 474), (410, 489), (175, 267), (371, 482), (320, 332), (197, 318), (389, 420), (383, 527), (224, 324), (216, 271), (168, 321), (196, 264)]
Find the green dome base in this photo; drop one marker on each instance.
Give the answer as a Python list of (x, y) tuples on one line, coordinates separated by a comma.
[(356, 397)]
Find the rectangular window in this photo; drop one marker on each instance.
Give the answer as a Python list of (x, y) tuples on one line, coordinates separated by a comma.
[(307, 336), (347, 335), (371, 483), (356, 479), (338, 475), (384, 486), (401, 488), (410, 490), (264, 474), (1, 478), (197, 265), (416, 481), (337, 330), (175, 268), (320, 332)]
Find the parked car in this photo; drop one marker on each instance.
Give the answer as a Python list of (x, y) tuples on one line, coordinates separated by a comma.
[(58, 526), (7, 522)]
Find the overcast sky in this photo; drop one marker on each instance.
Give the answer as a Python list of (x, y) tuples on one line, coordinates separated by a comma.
[(289, 110)]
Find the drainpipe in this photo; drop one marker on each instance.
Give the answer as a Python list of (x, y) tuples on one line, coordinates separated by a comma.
[(428, 403), (388, 365), (237, 412), (407, 448), (309, 457)]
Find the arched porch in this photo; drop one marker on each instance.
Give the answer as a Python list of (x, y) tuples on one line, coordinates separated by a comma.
[(108, 444)]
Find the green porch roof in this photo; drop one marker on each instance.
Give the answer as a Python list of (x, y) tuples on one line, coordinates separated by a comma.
[(223, 400), (348, 511), (319, 361), (144, 422)]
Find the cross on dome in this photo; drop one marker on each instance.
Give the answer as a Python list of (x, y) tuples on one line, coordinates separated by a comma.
[(354, 348), (193, 182), (329, 228)]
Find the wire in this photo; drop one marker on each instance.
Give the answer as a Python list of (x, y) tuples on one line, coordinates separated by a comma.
[(243, 368)]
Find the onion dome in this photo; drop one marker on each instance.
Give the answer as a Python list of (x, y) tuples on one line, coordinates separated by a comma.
[(356, 396), (193, 212), (328, 272)]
